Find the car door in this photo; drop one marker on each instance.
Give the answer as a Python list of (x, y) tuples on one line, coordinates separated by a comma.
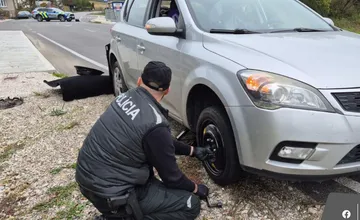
[(166, 49), (52, 13), (126, 33)]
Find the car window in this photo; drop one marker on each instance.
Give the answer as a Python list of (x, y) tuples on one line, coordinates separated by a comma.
[(164, 8), (255, 15), (137, 13), (127, 9)]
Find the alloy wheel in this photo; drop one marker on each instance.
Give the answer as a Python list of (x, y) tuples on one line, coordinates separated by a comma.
[(118, 82)]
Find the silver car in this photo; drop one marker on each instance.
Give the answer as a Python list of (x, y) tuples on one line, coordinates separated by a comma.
[(271, 86)]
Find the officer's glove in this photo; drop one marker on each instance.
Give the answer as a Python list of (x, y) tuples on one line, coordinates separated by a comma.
[(203, 153), (202, 192)]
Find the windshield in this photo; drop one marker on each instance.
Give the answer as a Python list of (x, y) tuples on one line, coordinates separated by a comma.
[(254, 15)]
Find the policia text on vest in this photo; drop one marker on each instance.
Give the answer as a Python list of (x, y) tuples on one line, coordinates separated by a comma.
[(128, 106)]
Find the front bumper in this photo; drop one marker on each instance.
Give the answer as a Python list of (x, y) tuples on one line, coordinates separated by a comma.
[(71, 16), (258, 132)]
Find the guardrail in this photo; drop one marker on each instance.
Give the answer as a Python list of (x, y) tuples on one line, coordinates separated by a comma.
[(112, 15)]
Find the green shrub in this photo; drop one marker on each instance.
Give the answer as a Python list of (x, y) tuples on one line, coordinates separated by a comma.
[(322, 7), (344, 8)]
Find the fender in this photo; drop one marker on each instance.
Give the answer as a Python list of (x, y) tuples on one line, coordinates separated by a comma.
[(225, 85), (115, 51), (107, 51), (221, 81)]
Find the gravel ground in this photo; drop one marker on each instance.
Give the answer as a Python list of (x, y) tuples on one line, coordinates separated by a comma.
[(39, 143)]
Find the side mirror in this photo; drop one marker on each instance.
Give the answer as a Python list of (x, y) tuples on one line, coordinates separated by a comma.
[(161, 26), (328, 20)]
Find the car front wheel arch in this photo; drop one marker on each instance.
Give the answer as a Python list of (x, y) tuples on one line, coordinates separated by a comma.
[(39, 18), (209, 120), (61, 18)]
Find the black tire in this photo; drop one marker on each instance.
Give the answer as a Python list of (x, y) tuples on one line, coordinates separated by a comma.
[(61, 18), (118, 75), (216, 121), (39, 18), (69, 20), (48, 20)]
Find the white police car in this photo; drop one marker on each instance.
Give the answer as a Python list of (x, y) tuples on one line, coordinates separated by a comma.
[(49, 14)]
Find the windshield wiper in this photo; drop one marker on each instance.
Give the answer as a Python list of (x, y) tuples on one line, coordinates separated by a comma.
[(233, 31), (299, 30)]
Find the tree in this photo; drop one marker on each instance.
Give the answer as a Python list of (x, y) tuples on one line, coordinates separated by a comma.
[(320, 6)]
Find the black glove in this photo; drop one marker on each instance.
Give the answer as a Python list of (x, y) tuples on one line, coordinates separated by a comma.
[(202, 192), (203, 153)]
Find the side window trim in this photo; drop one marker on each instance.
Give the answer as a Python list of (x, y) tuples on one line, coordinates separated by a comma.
[(146, 14), (153, 9), (126, 11)]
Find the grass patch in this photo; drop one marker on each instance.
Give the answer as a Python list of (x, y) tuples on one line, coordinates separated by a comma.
[(59, 75), (72, 210), (58, 169), (57, 112), (71, 125), (42, 94), (59, 196), (350, 24), (68, 126), (10, 150), (98, 13)]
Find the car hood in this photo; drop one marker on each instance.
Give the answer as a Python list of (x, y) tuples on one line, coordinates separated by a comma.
[(322, 59)]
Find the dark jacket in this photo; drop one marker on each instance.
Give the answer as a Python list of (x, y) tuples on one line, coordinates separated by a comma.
[(112, 159)]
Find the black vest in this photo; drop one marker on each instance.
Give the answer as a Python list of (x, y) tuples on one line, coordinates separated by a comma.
[(112, 159)]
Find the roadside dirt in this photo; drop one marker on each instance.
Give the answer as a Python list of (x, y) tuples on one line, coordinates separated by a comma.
[(39, 143)]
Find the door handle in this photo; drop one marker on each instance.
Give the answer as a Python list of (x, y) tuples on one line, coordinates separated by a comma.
[(118, 38), (141, 48)]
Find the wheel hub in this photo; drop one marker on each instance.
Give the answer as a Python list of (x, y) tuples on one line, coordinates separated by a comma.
[(212, 138)]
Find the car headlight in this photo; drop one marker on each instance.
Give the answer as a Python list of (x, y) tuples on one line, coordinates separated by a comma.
[(272, 91)]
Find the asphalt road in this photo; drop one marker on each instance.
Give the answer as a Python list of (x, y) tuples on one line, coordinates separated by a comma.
[(66, 44)]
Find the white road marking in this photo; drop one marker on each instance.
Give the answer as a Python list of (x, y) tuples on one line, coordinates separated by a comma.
[(349, 183), (75, 53), (90, 30)]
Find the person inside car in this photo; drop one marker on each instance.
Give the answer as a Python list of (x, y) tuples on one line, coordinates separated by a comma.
[(174, 11)]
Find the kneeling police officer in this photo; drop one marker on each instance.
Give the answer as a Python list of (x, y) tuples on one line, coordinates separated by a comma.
[(115, 164)]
